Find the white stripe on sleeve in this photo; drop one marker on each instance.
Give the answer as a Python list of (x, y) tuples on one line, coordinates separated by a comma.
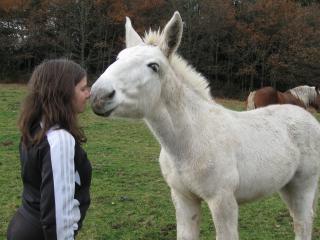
[(62, 147)]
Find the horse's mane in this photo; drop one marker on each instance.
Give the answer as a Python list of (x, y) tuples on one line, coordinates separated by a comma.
[(250, 101), (305, 93), (191, 77)]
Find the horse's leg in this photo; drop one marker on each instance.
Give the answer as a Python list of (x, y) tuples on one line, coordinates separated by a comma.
[(224, 210), (301, 197), (188, 214)]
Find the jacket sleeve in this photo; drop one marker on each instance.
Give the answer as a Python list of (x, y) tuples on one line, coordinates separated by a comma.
[(59, 210)]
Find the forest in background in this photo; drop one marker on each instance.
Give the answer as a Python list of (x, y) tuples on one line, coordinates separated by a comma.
[(238, 45)]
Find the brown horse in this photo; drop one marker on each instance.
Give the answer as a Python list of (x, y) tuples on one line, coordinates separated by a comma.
[(303, 96)]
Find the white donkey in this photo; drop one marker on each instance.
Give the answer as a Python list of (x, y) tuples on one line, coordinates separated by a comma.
[(208, 152)]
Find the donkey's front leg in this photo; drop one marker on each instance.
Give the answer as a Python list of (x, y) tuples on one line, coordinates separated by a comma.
[(188, 210), (224, 210)]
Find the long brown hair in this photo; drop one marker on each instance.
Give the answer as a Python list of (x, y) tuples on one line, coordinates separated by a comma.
[(51, 89)]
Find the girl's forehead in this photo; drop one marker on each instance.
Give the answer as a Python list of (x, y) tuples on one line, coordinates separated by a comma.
[(83, 81)]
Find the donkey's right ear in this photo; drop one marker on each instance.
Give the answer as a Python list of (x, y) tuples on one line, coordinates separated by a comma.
[(132, 37), (171, 35)]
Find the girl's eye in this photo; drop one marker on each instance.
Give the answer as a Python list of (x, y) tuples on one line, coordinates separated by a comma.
[(86, 88), (154, 67)]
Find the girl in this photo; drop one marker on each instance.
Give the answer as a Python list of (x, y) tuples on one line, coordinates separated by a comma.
[(55, 171)]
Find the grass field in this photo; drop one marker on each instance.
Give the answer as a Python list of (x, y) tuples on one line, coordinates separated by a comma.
[(130, 199)]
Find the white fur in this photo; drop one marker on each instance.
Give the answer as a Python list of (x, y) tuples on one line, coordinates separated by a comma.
[(305, 93), (208, 152)]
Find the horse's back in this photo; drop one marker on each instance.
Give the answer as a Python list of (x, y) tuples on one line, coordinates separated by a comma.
[(265, 96), (288, 98)]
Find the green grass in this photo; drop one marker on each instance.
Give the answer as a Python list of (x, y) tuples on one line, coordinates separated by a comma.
[(130, 199)]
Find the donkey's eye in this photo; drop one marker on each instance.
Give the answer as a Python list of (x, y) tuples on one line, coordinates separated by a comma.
[(154, 67)]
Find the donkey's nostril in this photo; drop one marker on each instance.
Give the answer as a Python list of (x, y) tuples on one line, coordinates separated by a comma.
[(99, 100), (111, 95)]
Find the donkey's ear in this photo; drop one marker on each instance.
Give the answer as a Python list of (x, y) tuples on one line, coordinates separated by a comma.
[(171, 35), (132, 37)]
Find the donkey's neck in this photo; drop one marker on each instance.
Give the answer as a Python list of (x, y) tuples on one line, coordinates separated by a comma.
[(175, 122)]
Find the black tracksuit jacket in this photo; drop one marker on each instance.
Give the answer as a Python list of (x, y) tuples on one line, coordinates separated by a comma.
[(56, 176)]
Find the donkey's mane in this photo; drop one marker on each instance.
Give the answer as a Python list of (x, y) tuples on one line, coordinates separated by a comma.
[(191, 77), (305, 93)]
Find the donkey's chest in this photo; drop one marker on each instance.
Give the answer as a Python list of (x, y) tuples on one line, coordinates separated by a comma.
[(199, 177)]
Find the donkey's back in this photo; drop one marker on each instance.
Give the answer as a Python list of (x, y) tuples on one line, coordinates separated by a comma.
[(278, 145)]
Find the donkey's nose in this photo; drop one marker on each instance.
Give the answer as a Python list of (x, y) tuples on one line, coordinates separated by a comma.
[(111, 95), (99, 101), (102, 96)]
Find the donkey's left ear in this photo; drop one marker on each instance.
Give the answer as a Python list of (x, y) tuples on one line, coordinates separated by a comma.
[(171, 35), (132, 37)]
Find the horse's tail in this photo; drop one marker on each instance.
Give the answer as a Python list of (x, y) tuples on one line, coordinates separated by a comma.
[(250, 101)]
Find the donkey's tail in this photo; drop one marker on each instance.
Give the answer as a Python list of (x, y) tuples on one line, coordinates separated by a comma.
[(250, 101)]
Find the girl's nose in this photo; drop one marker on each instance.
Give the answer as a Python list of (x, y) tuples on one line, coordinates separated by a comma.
[(89, 92)]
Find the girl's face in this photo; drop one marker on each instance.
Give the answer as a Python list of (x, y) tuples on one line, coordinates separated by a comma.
[(81, 95)]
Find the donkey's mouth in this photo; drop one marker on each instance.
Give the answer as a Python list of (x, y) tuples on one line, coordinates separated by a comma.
[(104, 114)]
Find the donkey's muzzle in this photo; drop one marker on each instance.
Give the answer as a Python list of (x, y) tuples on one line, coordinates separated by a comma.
[(101, 103)]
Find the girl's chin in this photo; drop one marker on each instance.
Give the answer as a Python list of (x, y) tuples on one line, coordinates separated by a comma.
[(81, 110)]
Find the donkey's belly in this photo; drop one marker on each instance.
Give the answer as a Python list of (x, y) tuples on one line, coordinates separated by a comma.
[(264, 181)]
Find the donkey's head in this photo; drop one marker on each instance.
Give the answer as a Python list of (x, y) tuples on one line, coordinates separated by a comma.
[(131, 86)]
